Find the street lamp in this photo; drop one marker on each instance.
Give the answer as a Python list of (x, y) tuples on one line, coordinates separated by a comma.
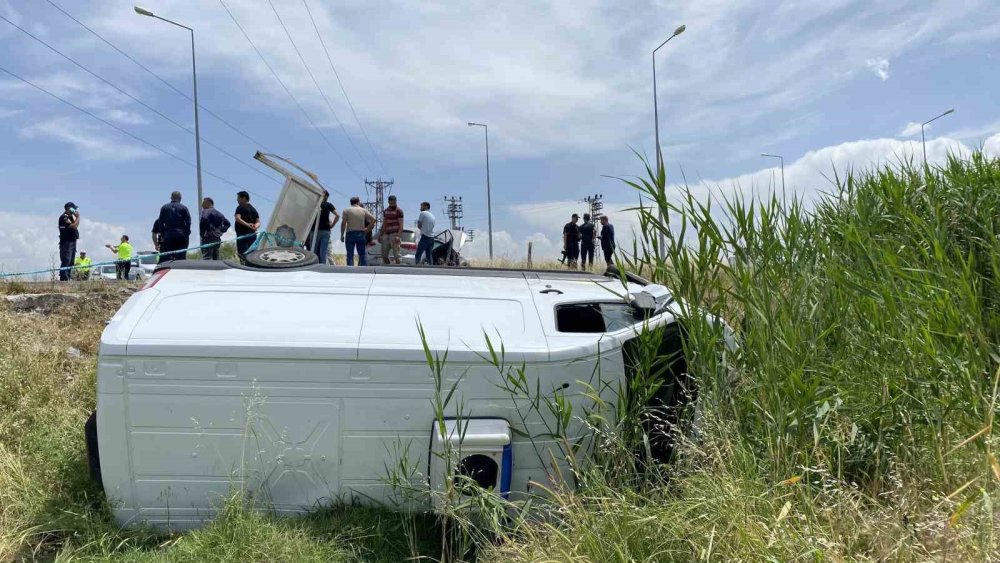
[(489, 206), (656, 120), (194, 74), (923, 142), (779, 157)]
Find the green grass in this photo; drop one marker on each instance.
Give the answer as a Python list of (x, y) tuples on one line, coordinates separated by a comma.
[(855, 422)]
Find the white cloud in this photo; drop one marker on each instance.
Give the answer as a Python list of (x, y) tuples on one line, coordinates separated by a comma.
[(992, 145), (31, 242), (912, 128), (879, 66), (93, 141)]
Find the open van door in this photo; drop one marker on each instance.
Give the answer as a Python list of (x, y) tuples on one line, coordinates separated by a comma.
[(295, 217)]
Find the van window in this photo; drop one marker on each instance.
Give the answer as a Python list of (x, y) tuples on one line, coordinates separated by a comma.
[(594, 317)]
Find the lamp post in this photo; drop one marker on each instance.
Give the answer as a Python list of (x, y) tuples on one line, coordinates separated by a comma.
[(194, 78), (656, 123), (923, 142), (489, 206), (779, 157)]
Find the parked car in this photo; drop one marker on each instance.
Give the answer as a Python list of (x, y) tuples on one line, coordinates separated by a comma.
[(407, 249), (215, 375), (110, 272), (147, 262)]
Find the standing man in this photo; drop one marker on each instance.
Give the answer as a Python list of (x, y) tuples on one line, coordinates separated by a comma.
[(247, 223), (326, 209), (571, 241), (124, 263), (213, 225), (607, 239), (425, 224), (175, 229), (588, 235), (69, 233), (357, 223), (391, 232), (157, 234), (81, 266)]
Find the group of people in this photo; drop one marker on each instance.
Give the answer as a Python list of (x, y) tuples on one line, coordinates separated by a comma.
[(579, 241), (357, 224), (171, 233)]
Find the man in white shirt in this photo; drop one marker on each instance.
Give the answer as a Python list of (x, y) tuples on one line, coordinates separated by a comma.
[(425, 223)]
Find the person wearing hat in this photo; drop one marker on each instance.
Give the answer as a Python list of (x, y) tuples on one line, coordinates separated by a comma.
[(571, 241), (81, 266), (124, 263), (69, 233)]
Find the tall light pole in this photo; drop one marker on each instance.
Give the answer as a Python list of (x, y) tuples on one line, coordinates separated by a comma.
[(656, 121), (489, 205), (923, 142), (194, 78), (782, 159)]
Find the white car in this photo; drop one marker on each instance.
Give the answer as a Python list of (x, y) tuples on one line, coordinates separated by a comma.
[(109, 272), (147, 262), (300, 384)]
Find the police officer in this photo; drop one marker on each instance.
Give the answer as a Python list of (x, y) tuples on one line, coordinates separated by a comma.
[(69, 233), (175, 229)]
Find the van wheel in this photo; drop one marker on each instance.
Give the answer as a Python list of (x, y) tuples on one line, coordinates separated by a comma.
[(281, 257), (93, 456)]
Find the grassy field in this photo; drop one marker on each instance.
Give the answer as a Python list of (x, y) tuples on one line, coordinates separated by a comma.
[(854, 422)]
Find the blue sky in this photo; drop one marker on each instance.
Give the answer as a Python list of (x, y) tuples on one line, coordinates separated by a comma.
[(564, 86)]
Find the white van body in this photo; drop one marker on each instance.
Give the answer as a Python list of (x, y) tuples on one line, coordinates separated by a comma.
[(305, 384)]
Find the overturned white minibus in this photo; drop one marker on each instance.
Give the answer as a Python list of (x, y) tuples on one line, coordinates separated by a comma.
[(304, 383)]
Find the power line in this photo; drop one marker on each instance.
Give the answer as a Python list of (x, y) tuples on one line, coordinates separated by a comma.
[(289, 92), (160, 78), (132, 135), (342, 89), (134, 99), (316, 84)]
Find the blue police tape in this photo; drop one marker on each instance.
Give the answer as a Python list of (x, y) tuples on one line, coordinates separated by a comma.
[(271, 237)]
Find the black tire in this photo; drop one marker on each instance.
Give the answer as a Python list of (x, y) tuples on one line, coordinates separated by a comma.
[(281, 257), (93, 455)]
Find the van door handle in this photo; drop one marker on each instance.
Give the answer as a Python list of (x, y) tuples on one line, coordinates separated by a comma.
[(556, 291)]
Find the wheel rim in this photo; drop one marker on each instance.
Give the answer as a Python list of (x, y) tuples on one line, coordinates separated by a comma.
[(281, 256)]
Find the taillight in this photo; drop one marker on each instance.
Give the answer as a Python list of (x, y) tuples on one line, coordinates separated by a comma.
[(408, 246), (154, 279)]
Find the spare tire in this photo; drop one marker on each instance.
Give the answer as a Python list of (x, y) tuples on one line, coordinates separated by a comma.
[(279, 257)]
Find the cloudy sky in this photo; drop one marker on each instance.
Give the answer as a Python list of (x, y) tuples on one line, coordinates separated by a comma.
[(565, 87)]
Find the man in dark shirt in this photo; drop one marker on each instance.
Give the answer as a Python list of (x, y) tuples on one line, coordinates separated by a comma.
[(326, 210), (157, 234), (247, 223), (607, 239), (213, 225), (571, 241), (175, 229), (588, 234), (69, 233)]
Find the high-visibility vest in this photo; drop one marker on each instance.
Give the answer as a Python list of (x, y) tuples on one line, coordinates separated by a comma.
[(124, 251), (81, 261)]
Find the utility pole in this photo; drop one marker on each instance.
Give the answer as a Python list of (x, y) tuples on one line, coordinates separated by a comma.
[(453, 209), (376, 206), (596, 206)]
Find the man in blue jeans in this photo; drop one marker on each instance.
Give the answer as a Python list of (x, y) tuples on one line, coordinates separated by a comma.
[(425, 224), (326, 224), (356, 222)]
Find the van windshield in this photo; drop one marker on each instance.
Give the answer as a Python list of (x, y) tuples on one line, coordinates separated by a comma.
[(147, 259)]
